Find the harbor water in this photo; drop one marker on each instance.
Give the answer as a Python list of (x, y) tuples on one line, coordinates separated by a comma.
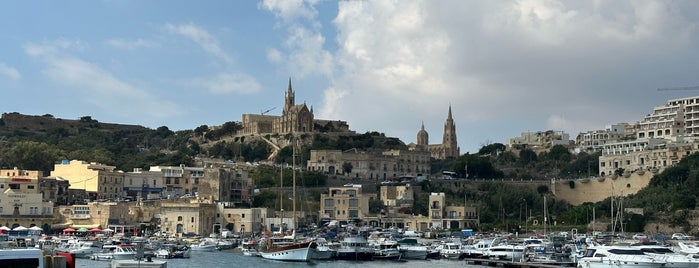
[(231, 258)]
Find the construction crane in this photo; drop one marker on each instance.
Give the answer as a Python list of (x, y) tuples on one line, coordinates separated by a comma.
[(678, 88), (267, 111)]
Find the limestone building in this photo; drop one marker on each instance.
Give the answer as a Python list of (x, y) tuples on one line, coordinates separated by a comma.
[(344, 204), (449, 147), (98, 180), (295, 118), (378, 165)]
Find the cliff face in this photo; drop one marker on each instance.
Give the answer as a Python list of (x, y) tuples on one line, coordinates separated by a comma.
[(45, 123)]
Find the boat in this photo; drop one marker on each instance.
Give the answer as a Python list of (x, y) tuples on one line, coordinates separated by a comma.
[(617, 256), (355, 248), (115, 252), (138, 259), (208, 244), (249, 247), (687, 247), (671, 258), (512, 252), (323, 250), (83, 249), (22, 257), (286, 249), (450, 250), (173, 251), (411, 250), (386, 250)]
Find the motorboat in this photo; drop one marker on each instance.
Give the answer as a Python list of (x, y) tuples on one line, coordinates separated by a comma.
[(323, 250), (249, 247), (617, 256), (505, 251), (671, 258), (83, 249), (412, 250), (208, 244), (355, 248), (450, 250), (173, 251), (115, 252)]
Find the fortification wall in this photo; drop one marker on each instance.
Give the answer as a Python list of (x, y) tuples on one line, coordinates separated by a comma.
[(599, 188)]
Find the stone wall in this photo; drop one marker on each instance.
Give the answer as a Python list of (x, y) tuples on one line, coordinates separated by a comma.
[(597, 189)]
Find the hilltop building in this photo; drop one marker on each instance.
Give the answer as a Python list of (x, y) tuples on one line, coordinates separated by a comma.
[(295, 118), (539, 141), (379, 165), (595, 140), (449, 147), (662, 139), (98, 180)]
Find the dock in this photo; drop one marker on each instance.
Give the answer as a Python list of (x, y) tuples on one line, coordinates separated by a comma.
[(516, 264)]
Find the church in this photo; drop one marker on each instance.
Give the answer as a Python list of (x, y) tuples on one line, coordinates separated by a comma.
[(295, 118), (447, 149)]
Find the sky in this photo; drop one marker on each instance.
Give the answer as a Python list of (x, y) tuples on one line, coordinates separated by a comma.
[(505, 67)]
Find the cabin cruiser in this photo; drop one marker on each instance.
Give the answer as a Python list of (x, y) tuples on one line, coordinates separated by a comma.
[(672, 259), (355, 248), (410, 249), (115, 252), (450, 250), (617, 256)]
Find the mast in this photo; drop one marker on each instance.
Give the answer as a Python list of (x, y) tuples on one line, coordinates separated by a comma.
[(281, 197), (293, 176)]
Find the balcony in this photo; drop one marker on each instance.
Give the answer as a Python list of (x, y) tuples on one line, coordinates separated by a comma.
[(80, 216)]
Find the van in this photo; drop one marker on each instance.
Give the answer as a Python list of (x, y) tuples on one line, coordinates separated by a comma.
[(22, 258)]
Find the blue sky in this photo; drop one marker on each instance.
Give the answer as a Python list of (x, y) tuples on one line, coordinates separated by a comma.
[(506, 67)]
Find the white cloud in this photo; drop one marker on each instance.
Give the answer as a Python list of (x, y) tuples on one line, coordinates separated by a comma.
[(131, 44), (9, 72), (225, 83), (290, 10), (97, 86), (203, 38)]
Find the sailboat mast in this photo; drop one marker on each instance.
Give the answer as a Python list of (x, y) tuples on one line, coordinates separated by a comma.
[(293, 176), (281, 197)]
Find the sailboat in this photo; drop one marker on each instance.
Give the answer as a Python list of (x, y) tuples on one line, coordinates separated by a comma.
[(287, 248)]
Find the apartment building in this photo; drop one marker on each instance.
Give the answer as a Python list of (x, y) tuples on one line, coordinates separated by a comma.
[(180, 180), (143, 185), (345, 203), (443, 216), (397, 195), (98, 180), (595, 140)]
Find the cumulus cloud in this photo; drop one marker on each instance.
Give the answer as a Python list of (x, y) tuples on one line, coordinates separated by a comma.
[(131, 44), (291, 10), (96, 85), (9, 72), (203, 38)]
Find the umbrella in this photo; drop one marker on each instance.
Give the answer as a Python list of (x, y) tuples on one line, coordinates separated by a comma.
[(108, 230), (5, 228), (82, 229), (68, 230), (20, 228), (35, 228), (94, 230)]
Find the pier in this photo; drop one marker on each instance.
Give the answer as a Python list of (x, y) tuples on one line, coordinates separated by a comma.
[(516, 264)]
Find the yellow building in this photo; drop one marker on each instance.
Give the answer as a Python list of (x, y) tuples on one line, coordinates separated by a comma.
[(397, 195), (344, 204), (243, 220), (26, 209), (443, 216), (100, 181), (378, 165)]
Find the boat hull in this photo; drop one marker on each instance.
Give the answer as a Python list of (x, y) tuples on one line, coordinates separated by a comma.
[(295, 253)]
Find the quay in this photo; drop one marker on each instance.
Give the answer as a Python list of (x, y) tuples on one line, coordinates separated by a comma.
[(516, 264)]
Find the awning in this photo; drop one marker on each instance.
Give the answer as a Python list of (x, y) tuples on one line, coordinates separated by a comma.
[(88, 226)]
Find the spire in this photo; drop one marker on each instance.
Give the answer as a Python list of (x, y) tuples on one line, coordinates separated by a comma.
[(422, 127), (448, 117), (288, 90)]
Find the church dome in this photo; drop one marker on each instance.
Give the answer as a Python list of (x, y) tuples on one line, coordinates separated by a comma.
[(422, 136)]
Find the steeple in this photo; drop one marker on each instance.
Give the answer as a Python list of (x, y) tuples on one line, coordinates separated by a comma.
[(449, 140), (289, 99)]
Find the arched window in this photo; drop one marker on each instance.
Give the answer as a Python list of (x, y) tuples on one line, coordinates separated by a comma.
[(179, 218)]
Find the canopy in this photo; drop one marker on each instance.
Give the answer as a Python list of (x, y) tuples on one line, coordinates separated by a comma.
[(83, 229), (94, 230), (68, 230), (5, 228), (35, 228), (20, 228), (108, 230)]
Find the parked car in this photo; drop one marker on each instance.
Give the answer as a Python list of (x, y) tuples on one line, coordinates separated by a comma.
[(639, 236), (681, 236)]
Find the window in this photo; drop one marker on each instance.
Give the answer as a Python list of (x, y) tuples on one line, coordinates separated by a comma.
[(192, 219), (177, 180), (179, 218), (353, 203), (328, 202), (30, 186), (354, 213)]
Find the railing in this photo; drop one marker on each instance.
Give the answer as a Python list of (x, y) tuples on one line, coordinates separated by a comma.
[(80, 216)]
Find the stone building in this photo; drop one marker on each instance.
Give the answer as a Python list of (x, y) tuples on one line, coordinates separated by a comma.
[(243, 220), (187, 216), (295, 118), (378, 165), (345, 203), (230, 184), (143, 185), (539, 141), (446, 216), (180, 180), (21, 204), (98, 180), (397, 195), (449, 147)]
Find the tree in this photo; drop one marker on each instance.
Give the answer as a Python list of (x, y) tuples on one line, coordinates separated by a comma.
[(527, 156)]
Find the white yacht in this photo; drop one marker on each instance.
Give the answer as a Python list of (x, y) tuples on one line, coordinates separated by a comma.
[(617, 256), (83, 249), (115, 252), (450, 250), (512, 252), (672, 259)]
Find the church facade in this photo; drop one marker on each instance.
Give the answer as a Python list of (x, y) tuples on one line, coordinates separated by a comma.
[(449, 148)]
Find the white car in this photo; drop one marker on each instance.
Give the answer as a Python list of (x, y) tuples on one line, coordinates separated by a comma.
[(639, 236), (681, 236)]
